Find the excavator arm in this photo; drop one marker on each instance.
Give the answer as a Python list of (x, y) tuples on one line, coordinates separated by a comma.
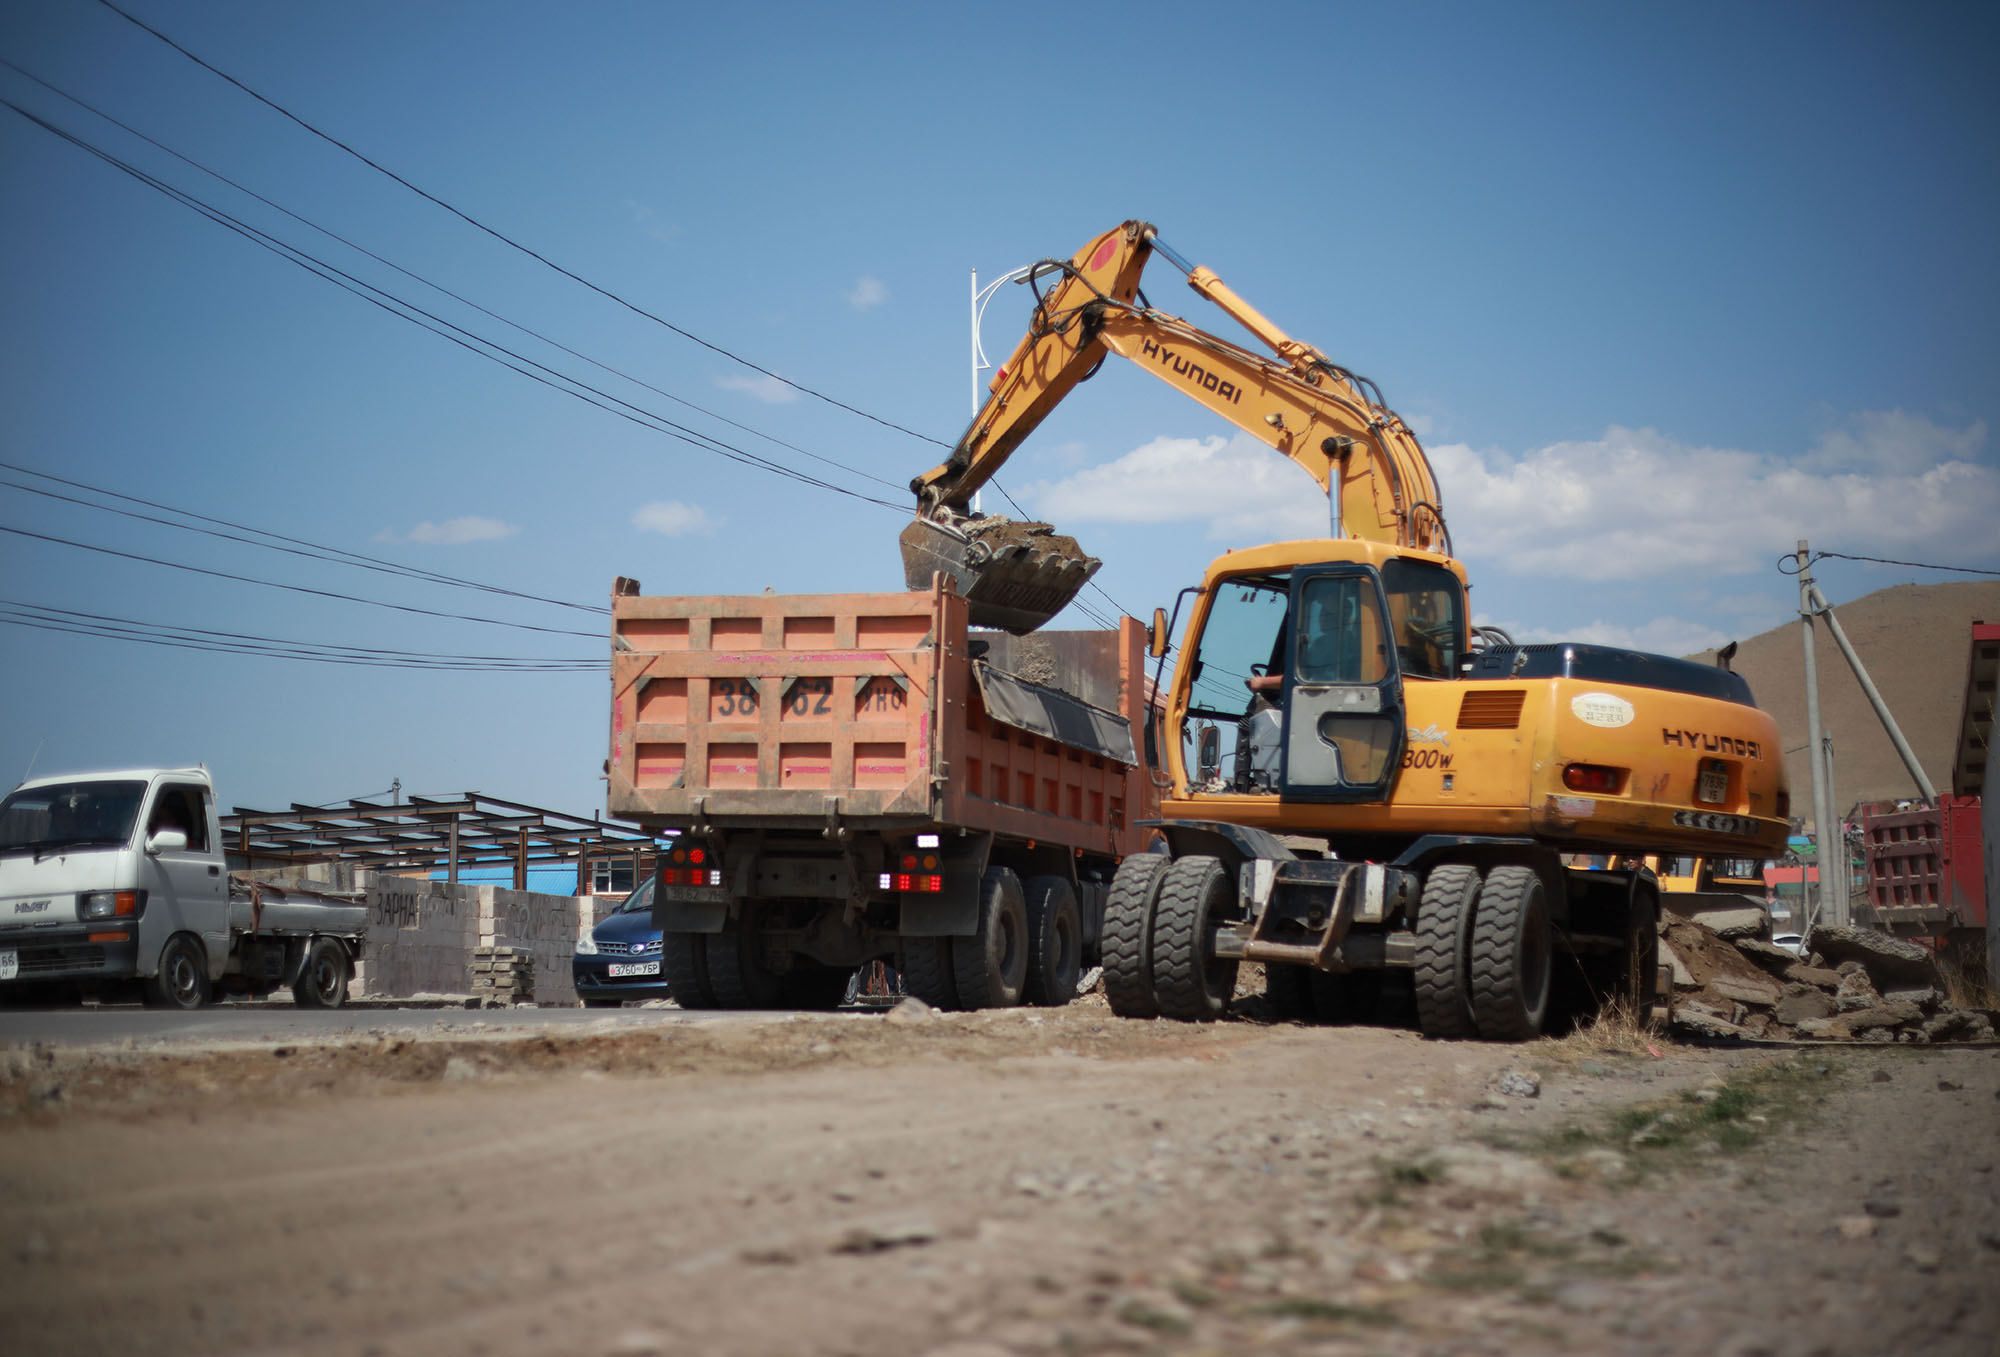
[(1295, 399)]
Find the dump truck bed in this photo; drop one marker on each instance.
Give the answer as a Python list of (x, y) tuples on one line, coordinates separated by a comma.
[(873, 711)]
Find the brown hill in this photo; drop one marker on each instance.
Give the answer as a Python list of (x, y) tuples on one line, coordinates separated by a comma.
[(1915, 640)]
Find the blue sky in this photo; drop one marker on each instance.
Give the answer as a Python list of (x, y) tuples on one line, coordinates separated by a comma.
[(1664, 289)]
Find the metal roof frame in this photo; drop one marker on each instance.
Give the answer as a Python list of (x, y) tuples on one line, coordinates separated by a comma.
[(470, 830)]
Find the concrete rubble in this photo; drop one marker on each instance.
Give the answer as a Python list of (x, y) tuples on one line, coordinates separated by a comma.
[(1853, 984)]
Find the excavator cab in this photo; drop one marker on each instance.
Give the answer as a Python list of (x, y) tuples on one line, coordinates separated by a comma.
[(1304, 665)]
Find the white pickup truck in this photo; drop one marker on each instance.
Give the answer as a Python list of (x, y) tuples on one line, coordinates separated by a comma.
[(111, 878)]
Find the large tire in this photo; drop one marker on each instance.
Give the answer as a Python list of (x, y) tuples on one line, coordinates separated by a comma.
[(990, 968), (737, 975), (182, 979), (322, 981), (1288, 992), (684, 962), (1444, 919), (1513, 953), (1189, 981), (926, 970), (1128, 935), (1055, 942), (1639, 984)]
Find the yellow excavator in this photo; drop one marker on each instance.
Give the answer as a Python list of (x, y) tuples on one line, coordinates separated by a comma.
[(1365, 793)]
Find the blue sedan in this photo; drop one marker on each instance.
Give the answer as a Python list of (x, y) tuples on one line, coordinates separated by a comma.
[(620, 959)]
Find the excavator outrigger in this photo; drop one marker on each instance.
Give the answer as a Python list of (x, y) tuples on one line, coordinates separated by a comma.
[(1403, 790)]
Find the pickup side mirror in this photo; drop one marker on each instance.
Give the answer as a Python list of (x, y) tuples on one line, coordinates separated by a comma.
[(166, 841), (1156, 635)]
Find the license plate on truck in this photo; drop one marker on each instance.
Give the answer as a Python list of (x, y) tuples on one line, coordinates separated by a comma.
[(696, 895), (1713, 786), (618, 968), (10, 965)]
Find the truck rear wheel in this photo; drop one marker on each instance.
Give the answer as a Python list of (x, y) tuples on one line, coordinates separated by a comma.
[(1444, 917), (684, 962), (322, 981), (737, 975), (1189, 981), (1512, 955), (1055, 942), (990, 968), (925, 966), (1128, 935), (182, 980)]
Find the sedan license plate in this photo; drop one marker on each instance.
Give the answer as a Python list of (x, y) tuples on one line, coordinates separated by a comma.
[(1713, 786), (618, 968), (10, 965)]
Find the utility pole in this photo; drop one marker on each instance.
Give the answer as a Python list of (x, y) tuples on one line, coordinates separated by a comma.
[(1824, 904)]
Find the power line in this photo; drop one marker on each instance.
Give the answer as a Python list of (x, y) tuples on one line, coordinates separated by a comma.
[(508, 240), (334, 555), (296, 588), (464, 338), (435, 286), (1789, 563), (109, 627)]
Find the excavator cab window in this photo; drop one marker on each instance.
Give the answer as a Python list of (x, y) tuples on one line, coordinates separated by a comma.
[(1427, 613), (1236, 677)]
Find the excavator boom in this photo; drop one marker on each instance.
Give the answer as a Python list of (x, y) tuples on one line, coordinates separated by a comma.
[(1294, 398)]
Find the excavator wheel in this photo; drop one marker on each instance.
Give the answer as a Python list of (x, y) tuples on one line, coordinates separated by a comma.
[(1127, 944), (1444, 920), (1189, 981), (1513, 953)]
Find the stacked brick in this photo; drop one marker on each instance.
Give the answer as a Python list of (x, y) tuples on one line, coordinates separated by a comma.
[(503, 975)]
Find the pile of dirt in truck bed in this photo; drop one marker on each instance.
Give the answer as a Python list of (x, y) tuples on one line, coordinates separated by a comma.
[(1853, 984)]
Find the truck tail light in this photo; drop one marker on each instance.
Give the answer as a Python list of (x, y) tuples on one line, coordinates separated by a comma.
[(922, 883), (1593, 777), (690, 876)]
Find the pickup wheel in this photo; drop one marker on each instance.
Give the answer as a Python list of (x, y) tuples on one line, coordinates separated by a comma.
[(684, 962), (322, 981), (1128, 935), (991, 967), (1055, 942), (182, 980), (1513, 951), (1444, 919), (1189, 981)]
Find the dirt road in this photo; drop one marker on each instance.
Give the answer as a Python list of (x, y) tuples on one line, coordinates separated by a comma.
[(1023, 1182)]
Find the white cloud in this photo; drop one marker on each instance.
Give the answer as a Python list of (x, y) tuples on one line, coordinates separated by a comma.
[(649, 221), (454, 532), (1636, 504), (1244, 491), (868, 293), (769, 390), (671, 518)]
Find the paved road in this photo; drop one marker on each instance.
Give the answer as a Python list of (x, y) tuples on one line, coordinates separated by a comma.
[(230, 1023)]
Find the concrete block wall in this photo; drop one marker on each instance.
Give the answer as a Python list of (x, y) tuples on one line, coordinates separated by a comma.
[(423, 935)]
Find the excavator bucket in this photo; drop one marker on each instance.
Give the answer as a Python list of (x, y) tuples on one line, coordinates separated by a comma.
[(1014, 576)]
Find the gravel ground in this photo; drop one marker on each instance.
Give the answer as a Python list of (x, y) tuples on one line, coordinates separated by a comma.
[(1025, 1182)]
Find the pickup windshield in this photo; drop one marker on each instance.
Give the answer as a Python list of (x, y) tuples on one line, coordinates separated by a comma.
[(69, 814)]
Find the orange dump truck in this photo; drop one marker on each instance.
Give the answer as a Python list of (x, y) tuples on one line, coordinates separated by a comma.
[(860, 777)]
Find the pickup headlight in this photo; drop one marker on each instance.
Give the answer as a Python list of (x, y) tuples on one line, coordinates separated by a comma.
[(586, 945), (110, 904)]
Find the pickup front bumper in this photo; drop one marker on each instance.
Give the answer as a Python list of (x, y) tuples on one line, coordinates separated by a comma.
[(69, 955)]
